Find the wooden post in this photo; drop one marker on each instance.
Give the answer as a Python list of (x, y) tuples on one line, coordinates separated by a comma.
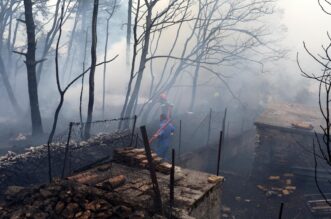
[(172, 183), (209, 126), (66, 150), (157, 197), (133, 129), (281, 211), (180, 139), (223, 124), (219, 153), (137, 136)]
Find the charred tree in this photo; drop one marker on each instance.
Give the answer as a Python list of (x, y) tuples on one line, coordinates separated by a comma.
[(9, 88), (128, 32), (62, 91), (82, 90), (7, 9), (92, 71), (70, 45), (141, 68), (133, 62), (151, 20), (210, 45), (49, 38), (110, 14), (322, 142), (31, 63)]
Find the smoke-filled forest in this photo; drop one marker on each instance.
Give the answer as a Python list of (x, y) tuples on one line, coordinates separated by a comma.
[(165, 109)]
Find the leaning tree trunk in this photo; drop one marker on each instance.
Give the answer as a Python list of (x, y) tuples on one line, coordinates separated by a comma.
[(133, 63), (92, 72), (30, 62), (143, 60)]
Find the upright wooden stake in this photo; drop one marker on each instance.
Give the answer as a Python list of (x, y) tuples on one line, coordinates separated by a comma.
[(219, 153), (133, 129), (281, 211), (137, 136), (157, 197)]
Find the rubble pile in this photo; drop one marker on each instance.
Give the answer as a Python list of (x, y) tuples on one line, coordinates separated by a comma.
[(65, 199), (136, 158), (31, 167), (278, 186)]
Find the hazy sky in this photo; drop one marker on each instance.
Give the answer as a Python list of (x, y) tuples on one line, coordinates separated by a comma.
[(305, 21)]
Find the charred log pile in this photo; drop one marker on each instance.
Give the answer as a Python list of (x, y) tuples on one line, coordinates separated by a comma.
[(31, 167)]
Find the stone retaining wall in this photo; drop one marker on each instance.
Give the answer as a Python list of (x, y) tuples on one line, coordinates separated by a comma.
[(31, 167)]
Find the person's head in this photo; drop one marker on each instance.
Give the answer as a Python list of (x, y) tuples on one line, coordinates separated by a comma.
[(163, 97), (163, 117)]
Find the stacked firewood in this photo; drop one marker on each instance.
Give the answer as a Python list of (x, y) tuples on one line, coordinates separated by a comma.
[(64, 199), (135, 157)]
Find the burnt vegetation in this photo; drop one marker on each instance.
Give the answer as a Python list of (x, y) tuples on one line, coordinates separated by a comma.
[(209, 79)]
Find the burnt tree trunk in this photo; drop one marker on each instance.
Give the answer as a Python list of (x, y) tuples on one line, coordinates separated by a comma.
[(3, 69), (194, 86), (133, 62), (49, 39), (135, 93), (105, 70), (92, 72), (9, 88), (128, 32), (30, 62)]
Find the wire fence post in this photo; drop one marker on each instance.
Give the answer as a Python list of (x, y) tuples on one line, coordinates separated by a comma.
[(137, 137), (209, 126), (133, 129), (172, 183), (157, 197), (219, 153), (66, 150)]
